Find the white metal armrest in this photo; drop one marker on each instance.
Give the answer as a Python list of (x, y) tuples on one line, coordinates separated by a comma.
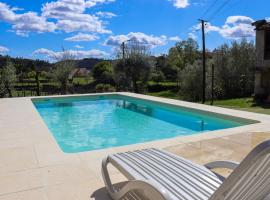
[(222, 164)]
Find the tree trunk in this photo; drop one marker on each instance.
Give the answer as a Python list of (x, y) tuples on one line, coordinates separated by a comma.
[(135, 86)]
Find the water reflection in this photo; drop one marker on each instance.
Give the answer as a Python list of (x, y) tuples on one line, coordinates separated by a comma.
[(184, 120), (64, 104), (202, 125), (135, 108)]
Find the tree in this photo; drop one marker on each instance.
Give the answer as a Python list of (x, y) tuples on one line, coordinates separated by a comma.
[(103, 72), (183, 53), (134, 70), (7, 79), (169, 71), (62, 71), (121, 77)]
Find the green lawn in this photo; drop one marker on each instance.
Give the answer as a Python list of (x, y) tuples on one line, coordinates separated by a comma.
[(245, 104), (82, 80), (166, 94)]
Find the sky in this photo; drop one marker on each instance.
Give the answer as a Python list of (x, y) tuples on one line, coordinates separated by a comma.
[(41, 29)]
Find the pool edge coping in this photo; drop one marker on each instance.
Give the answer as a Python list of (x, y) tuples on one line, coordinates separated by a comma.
[(163, 143)]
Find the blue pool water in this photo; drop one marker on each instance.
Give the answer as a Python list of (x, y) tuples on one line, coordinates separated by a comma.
[(96, 122)]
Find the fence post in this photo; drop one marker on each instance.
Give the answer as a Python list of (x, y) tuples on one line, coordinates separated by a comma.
[(38, 83), (212, 85)]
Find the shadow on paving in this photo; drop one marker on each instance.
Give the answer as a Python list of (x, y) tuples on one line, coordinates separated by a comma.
[(102, 194)]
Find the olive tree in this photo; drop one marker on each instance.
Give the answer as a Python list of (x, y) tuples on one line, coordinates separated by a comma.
[(63, 69), (133, 71), (7, 79), (234, 66)]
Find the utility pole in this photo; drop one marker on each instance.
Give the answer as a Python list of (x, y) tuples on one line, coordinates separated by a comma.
[(123, 50), (204, 59)]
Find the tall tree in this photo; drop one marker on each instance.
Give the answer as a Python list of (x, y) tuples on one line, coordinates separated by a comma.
[(184, 53)]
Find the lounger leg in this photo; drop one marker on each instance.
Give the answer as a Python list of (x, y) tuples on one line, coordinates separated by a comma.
[(106, 177), (135, 185)]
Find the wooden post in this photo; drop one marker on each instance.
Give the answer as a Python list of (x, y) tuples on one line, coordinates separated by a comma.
[(212, 85)]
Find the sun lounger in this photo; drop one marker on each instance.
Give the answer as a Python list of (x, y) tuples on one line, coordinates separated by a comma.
[(160, 175)]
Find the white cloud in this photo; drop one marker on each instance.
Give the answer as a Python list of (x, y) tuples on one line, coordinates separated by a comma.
[(60, 15), (235, 27), (3, 50), (148, 40), (77, 54), (80, 37), (78, 47), (24, 23), (192, 36), (16, 9), (180, 3), (85, 26), (175, 39), (106, 14), (239, 20), (91, 3), (71, 16)]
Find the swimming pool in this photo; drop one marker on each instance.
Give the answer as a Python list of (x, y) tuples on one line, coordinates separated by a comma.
[(85, 123)]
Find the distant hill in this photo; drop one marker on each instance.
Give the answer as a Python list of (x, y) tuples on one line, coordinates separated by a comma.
[(24, 64), (87, 63), (27, 65)]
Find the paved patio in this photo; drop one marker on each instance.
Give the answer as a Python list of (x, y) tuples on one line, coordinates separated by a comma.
[(32, 166)]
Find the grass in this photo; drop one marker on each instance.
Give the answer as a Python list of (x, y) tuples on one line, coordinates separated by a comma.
[(82, 80), (245, 104), (163, 83), (165, 94)]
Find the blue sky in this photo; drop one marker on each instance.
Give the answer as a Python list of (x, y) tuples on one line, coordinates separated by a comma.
[(94, 28)]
